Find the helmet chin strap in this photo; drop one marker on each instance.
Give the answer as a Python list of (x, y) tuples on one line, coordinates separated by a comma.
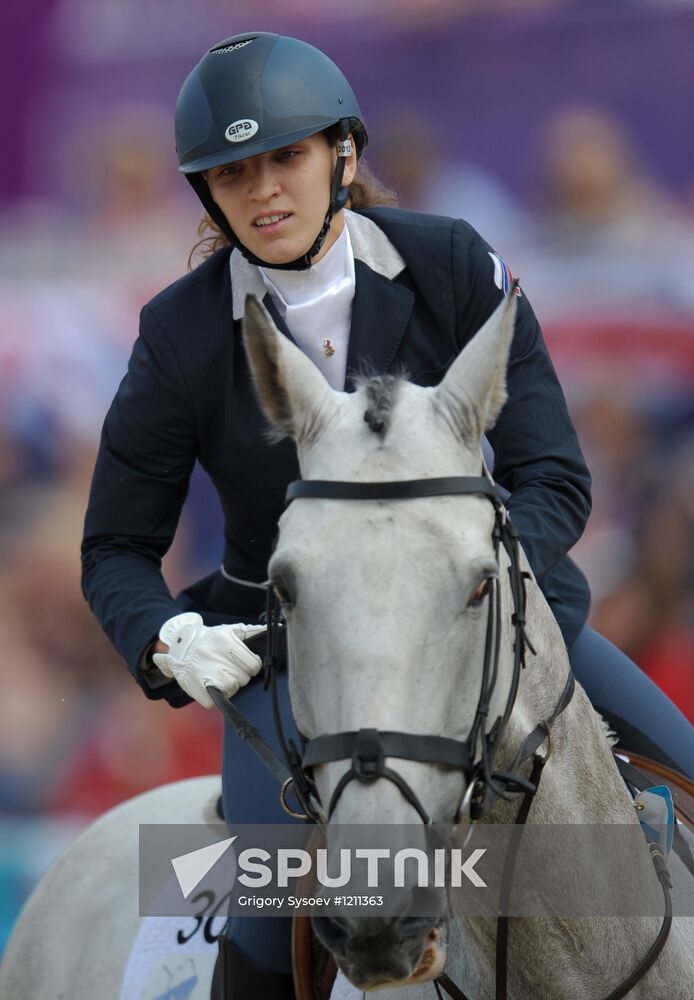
[(338, 198)]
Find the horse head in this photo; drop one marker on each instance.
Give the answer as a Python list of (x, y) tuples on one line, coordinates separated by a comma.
[(385, 599)]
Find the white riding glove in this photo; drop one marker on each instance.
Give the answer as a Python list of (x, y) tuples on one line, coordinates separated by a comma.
[(200, 656)]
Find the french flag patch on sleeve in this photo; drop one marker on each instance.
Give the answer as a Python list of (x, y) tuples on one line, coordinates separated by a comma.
[(503, 275)]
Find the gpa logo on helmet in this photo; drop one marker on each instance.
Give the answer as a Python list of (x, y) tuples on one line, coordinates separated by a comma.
[(239, 131)]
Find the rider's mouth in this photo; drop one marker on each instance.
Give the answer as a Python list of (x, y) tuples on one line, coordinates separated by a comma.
[(271, 222)]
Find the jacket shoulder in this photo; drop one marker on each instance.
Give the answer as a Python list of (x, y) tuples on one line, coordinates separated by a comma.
[(417, 234), (193, 315), (387, 217)]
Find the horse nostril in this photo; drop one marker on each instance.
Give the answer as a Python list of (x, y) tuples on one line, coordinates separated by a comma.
[(375, 952), (331, 932)]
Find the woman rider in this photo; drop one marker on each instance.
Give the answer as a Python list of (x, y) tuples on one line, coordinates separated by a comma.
[(269, 134)]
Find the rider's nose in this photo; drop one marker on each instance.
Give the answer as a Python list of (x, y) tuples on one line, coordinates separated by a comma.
[(264, 183)]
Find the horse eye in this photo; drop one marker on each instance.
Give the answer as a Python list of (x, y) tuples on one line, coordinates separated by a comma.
[(281, 592), (480, 593)]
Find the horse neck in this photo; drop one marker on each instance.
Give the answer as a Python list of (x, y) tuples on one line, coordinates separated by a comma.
[(581, 782)]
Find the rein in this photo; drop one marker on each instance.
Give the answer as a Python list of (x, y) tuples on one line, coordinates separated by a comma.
[(367, 749)]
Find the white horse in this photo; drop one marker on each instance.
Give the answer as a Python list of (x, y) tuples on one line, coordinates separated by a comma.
[(386, 623), (385, 608), (79, 935)]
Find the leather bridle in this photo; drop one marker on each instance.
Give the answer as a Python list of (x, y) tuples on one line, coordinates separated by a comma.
[(367, 749)]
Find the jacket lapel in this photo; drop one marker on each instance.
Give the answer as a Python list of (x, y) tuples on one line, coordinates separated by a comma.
[(381, 311), (382, 304), (277, 317)]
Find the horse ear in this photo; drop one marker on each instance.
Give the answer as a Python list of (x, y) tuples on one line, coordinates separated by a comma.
[(290, 389), (474, 389)]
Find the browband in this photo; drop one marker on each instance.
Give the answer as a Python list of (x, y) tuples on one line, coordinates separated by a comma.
[(407, 489)]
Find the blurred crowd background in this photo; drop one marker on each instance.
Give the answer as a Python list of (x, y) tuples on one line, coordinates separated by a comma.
[(559, 129)]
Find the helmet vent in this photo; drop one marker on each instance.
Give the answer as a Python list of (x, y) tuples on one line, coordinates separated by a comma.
[(231, 48)]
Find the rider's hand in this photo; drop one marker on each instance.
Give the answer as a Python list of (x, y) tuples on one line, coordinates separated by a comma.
[(199, 656)]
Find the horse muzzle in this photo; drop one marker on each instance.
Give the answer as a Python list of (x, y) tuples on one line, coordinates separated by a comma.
[(385, 952)]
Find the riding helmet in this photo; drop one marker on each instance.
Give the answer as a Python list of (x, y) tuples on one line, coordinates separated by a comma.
[(256, 92)]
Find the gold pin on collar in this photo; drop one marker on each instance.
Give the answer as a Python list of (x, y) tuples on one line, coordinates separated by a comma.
[(328, 348)]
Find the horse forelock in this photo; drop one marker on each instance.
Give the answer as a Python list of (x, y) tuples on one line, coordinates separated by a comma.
[(384, 393), (381, 393)]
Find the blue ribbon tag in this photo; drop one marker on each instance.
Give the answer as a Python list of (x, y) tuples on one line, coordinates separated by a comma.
[(657, 816)]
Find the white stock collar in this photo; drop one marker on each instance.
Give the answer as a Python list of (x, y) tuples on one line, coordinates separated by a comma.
[(369, 245)]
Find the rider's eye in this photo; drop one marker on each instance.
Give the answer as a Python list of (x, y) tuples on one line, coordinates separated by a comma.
[(480, 593)]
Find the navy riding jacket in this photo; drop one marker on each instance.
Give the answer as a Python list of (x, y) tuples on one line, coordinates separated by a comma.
[(188, 396)]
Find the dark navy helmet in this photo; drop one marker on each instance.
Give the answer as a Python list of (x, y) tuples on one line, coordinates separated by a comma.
[(254, 93)]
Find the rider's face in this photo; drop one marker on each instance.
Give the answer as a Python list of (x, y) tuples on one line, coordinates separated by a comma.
[(276, 202)]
